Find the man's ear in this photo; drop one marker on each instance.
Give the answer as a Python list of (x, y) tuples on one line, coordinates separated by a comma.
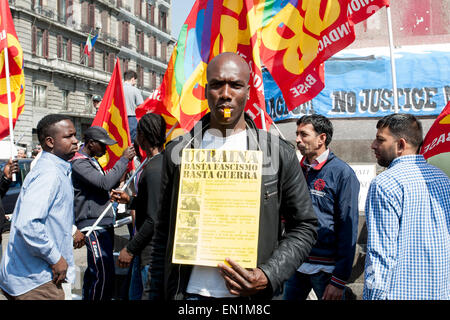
[(323, 138), (49, 142), (401, 146)]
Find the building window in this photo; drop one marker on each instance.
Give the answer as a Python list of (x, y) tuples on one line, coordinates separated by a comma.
[(64, 48), (150, 13), (104, 60), (124, 34), (65, 10), (39, 42), (124, 64), (39, 96), (87, 17), (106, 20), (84, 57), (140, 41), (111, 62), (88, 107), (138, 8), (65, 99), (152, 46), (163, 21)]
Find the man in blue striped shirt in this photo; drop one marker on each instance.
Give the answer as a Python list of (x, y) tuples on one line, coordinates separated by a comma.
[(408, 218), (39, 257)]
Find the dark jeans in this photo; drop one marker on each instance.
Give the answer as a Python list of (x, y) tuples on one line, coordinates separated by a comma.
[(300, 284)]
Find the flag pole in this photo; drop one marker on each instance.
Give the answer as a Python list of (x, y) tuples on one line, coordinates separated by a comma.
[(10, 116), (391, 48), (171, 129), (121, 189)]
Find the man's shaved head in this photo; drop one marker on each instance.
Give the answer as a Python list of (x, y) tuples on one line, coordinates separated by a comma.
[(229, 56)]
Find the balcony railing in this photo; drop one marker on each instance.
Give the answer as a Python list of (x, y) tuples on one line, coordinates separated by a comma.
[(108, 38), (44, 11)]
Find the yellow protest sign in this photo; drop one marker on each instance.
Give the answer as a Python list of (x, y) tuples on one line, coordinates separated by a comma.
[(218, 207)]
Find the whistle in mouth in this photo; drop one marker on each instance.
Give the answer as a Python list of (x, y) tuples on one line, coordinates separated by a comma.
[(226, 112)]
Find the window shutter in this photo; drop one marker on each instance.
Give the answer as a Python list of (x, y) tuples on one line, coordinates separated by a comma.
[(152, 14), (33, 40), (84, 13), (92, 58), (92, 16), (137, 4), (58, 46), (111, 58), (163, 51), (69, 50), (45, 43)]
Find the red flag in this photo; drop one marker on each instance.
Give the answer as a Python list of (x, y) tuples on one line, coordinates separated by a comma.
[(359, 11), (112, 116), (153, 104), (436, 145), (10, 42)]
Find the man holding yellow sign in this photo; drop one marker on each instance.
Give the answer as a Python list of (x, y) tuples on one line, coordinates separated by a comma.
[(235, 216)]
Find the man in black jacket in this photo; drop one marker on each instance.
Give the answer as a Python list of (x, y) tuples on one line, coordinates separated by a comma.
[(10, 168), (91, 187), (284, 194)]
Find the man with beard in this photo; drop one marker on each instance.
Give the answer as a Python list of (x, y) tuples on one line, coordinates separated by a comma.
[(408, 218), (92, 187), (334, 190)]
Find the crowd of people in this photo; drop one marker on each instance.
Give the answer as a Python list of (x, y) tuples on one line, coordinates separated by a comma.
[(308, 218)]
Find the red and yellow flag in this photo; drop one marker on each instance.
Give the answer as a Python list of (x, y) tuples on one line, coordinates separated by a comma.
[(112, 116), (436, 145), (10, 42)]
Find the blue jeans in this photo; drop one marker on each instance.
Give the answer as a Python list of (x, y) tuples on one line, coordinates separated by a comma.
[(139, 276), (300, 284), (132, 123)]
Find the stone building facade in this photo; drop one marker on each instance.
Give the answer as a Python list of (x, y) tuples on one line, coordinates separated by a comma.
[(60, 78)]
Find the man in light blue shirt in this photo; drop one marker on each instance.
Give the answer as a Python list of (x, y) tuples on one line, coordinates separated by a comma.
[(408, 218), (39, 256)]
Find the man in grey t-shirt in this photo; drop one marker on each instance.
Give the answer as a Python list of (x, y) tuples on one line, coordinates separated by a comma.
[(133, 98)]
